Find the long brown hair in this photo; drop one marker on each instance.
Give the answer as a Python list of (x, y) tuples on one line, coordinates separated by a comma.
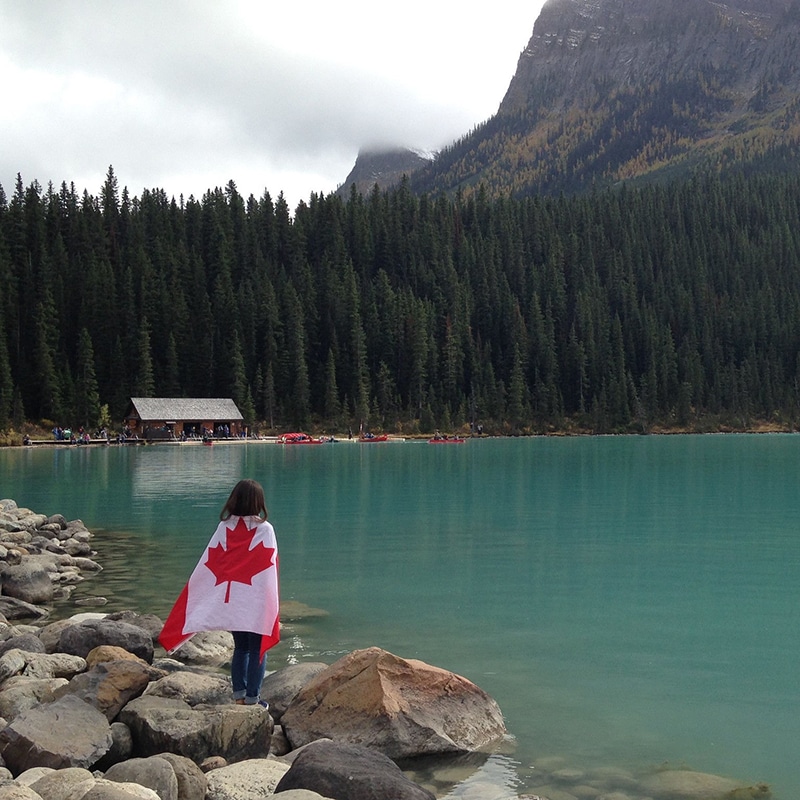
[(246, 500)]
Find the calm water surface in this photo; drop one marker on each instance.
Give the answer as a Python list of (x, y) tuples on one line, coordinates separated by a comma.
[(627, 600)]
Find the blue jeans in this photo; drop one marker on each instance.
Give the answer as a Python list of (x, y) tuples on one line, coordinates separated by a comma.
[(247, 667)]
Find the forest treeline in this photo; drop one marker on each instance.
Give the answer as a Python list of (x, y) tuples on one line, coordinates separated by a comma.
[(610, 311)]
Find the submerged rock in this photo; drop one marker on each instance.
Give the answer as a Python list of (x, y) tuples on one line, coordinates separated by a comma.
[(688, 785)]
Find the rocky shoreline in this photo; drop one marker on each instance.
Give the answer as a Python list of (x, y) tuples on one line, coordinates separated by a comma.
[(91, 707)]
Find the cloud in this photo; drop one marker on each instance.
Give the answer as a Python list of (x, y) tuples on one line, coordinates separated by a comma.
[(186, 96)]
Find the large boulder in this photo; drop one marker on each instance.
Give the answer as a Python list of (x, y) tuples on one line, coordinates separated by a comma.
[(30, 580), (160, 724), (81, 638), (402, 708), (349, 772), (256, 778), (109, 685), (282, 686), (64, 733)]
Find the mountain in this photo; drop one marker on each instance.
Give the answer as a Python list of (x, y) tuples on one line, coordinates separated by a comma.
[(382, 167), (612, 90)]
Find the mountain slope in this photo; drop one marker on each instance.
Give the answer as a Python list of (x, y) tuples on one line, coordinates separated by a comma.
[(611, 90), (382, 167)]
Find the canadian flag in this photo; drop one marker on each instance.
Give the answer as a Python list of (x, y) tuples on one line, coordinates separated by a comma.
[(234, 586)]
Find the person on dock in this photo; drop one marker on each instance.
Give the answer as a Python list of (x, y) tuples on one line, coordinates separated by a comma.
[(234, 587)]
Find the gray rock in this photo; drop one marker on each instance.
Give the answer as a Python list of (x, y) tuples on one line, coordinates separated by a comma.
[(29, 580), (305, 794), (15, 791), (14, 608), (210, 648), (12, 662), (161, 725), (19, 536), (150, 622), (54, 665), (349, 772), (21, 693), (64, 783), (50, 634), (64, 733), (170, 665), (247, 780), (279, 744), (30, 776), (79, 639), (193, 688), (76, 548), (282, 686), (192, 782), (121, 747), (110, 790), (28, 642), (57, 519), (93, 601), (86, 564), (212, 762), (154, 772)]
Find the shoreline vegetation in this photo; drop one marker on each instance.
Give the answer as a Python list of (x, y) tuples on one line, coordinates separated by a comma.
[(100, 647), (39, 434)]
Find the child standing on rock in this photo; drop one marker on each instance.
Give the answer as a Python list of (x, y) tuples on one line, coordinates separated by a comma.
[(234, 587)]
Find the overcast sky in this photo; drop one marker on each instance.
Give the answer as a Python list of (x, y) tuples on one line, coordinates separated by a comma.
[(276, 95)]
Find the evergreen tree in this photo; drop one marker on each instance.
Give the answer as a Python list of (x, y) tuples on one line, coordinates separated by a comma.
[(87, 398), (144, 382), (6, 383)]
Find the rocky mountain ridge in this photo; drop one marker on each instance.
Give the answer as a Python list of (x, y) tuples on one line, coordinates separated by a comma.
[(611, 90)]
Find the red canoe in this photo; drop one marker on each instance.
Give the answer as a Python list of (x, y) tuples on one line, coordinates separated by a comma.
[(299, 438)]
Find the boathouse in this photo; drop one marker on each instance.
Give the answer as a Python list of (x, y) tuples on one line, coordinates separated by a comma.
[(159, 418)]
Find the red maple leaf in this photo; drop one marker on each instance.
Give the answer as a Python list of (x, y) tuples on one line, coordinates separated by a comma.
[(236, 561)]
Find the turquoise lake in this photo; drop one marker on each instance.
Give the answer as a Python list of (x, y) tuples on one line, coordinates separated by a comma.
[(628, 601)]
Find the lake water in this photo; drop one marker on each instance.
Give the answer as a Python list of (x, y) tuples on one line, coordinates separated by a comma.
[(628, 601)]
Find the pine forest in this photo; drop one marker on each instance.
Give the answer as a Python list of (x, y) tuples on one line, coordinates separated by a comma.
[(628, 310)]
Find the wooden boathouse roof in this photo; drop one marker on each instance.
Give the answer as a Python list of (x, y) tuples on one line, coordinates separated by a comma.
[(194, 409)]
